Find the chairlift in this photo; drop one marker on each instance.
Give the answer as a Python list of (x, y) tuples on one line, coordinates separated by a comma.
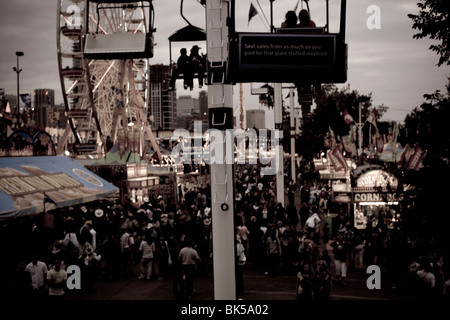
[(125, 44), (298, 55), (189, 33)]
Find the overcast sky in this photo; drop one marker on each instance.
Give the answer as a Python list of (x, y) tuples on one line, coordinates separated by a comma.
[(386, 62)]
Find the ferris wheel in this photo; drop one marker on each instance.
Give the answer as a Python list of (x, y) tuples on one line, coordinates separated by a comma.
[(103, 50)]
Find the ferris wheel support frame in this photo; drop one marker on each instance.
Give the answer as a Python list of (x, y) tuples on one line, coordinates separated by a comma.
[(122, 104)]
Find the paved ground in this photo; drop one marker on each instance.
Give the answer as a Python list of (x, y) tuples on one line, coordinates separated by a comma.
[(258, 286)]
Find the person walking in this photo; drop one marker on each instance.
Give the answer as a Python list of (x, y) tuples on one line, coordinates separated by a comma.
[(340, 258), (38, 271), (189, 257), (56, 278), (304, 288), (126, 241), (147, 247), (273, 252), (240, 252), (321, 282)]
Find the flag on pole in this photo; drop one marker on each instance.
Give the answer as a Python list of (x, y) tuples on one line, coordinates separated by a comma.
[(48, 199), (348, 117), (406, 153), (329, 139), (415, 160), (26, 99), (373, 117), (252, 12), (394, 140), (7, 114), (337, 159), (349, 145), (49, 101), (377, 140), (8, 107)]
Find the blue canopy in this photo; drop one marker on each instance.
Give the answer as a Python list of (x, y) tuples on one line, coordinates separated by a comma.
[(26, 181)]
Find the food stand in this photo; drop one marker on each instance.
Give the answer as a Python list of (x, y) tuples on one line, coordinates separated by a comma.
[(374, 197)]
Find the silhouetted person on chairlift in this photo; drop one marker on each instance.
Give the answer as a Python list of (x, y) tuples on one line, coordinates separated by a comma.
[(305, 19), (290, 20), (198, 64), (184, 67)]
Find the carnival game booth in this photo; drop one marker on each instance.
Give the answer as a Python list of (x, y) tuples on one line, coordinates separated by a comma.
[(374, 197), (32, 185)]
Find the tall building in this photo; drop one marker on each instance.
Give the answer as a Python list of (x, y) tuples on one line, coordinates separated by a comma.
[(191, 109), (256, 119), (187, 107), (163, 104), (44, 104)]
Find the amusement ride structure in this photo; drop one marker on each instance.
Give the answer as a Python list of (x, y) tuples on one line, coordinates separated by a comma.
[(104, 50)]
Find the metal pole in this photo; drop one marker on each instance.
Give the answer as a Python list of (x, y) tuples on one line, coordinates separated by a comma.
[(360, 131), (18, 90), (18, 70), (279, 155), (291, 101), (272, 28), (220, 106)]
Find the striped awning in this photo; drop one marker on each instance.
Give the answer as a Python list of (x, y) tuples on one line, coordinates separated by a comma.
[(26, 181)]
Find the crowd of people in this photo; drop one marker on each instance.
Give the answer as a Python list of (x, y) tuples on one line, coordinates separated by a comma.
[(108, 239)]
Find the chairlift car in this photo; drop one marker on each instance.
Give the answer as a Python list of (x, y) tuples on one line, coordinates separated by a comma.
[(298, 55), (129, 42), (189, 33)]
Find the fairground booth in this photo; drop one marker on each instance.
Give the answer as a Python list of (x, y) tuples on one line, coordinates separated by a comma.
[(371, 197), (374, 197)]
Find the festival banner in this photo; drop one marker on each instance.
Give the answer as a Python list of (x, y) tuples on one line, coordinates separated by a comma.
[(337, 159), (415, 160)]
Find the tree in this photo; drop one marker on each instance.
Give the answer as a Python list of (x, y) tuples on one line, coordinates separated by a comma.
[(428, 188), (433, 21), (331, 105)]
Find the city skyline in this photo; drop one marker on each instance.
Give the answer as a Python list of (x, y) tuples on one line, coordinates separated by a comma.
[(397, 69)]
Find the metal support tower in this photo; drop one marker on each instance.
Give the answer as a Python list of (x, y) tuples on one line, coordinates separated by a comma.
[(292, 118), (278, 110), (220, 105)]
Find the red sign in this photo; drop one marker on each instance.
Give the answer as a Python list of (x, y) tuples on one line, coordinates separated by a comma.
[(415, 159)]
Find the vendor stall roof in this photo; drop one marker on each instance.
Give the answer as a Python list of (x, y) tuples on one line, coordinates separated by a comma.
[(26, 181)]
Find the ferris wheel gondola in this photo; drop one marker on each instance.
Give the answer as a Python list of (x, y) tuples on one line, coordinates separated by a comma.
[(103, 55)]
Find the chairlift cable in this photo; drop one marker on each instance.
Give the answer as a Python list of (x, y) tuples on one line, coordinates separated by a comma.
[(262, 11)]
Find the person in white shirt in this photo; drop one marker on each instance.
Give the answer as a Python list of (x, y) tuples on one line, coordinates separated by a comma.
[(57, 278), (313, 224), (126, 241), (38, 271), (188, 257), (147, 247)]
